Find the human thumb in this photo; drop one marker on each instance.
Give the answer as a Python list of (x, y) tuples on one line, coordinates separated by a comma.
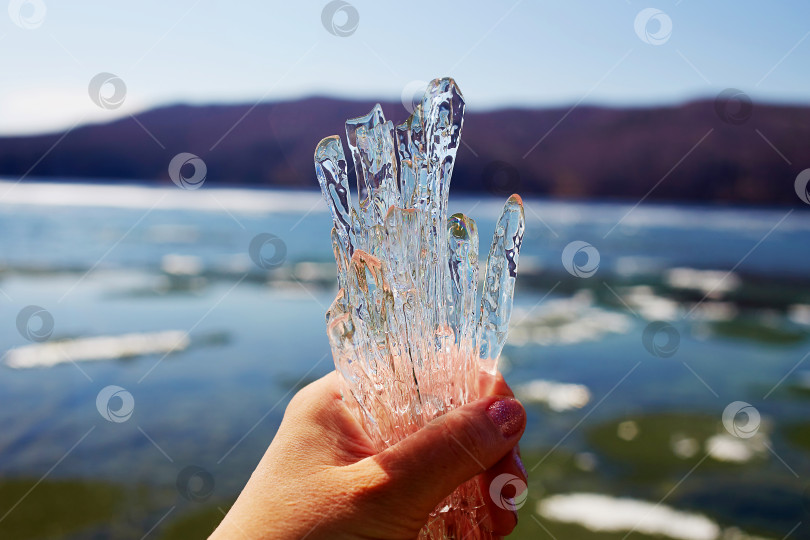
[(428, 465)]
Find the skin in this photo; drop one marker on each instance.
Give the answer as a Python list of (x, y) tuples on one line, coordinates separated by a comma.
[(321, 478)]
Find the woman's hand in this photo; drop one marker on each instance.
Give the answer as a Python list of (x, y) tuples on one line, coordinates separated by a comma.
[(320, 477)]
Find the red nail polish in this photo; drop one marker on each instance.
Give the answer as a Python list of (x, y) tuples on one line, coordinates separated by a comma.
[(508, 415)]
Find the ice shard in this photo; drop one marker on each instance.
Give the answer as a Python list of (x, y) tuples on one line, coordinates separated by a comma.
[(409, 337), (499, 283)]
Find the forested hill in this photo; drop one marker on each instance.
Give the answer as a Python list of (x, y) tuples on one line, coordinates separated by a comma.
[(699, 152)]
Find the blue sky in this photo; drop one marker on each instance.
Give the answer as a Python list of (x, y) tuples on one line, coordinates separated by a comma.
[(526, 53)]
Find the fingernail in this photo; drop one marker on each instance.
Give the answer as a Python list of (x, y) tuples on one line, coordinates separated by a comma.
[(507, 414), (519, 463)]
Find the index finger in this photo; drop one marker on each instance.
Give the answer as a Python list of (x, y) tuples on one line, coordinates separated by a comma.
[(493, 385)]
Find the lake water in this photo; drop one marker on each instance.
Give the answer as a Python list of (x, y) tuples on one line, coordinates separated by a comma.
[(731, 286)]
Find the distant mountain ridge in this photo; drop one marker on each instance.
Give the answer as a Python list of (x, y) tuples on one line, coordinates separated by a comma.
[(698, 152)]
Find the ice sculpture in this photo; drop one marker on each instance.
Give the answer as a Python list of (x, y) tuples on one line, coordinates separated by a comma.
[(405, 334)]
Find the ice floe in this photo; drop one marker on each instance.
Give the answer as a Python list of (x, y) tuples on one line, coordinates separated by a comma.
[(566, 321), (96, 348), (725, 447), (714, 283), (557, 396), (604, 513)]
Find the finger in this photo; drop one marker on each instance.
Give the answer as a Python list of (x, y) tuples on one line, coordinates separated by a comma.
[(320, 390), (425, 467), (493, 385), (318, 424), (504, 487)]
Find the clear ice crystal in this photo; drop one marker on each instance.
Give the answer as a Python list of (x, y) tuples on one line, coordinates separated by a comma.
[(406, 337)]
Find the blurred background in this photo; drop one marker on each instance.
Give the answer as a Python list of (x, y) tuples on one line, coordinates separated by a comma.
[(165, 262)]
